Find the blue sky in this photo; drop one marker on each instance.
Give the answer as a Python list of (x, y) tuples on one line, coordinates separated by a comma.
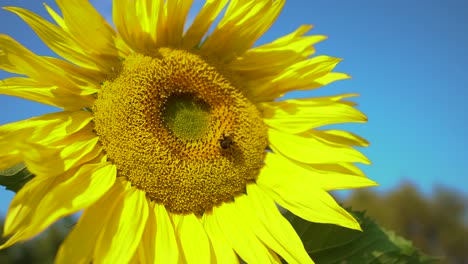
[(409, 62)]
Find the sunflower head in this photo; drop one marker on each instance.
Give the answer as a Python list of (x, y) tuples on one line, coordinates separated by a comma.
[(179, 130), (174, 140)]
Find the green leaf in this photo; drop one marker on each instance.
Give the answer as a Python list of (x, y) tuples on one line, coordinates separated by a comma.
[(327, 244), (15, 178)]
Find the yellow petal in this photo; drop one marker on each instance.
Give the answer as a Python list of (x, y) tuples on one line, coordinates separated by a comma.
[(84, 188), (122, 48), (339, 136), (305, 75), (46, 128), (137, 23), (83, 77), (322, 179), (43, 130), (10, 159), (31, 211), (202, 23), (223, 252), (120, 238), (302, 196), (243, 23), (278, 55), (340, 168), (176, 13), (228, 222), (146, 249), (300, 115), (23, 206), (42, 160), (56, 17), (167, 249), (93, 34), (187, 228), (81, 242), (17, 59), (158, 244), (312, 149), (270, 226), (58, 40), (146, 25), (52, 95)]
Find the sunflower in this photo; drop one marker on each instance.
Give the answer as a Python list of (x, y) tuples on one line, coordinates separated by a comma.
[(173, 140)]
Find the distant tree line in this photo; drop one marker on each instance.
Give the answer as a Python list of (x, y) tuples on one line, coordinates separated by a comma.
[(438, 225)]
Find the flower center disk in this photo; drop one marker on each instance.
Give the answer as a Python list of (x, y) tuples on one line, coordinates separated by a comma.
[(178, 129)]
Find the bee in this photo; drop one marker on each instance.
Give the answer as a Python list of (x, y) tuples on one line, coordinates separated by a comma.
[(226, 141)]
